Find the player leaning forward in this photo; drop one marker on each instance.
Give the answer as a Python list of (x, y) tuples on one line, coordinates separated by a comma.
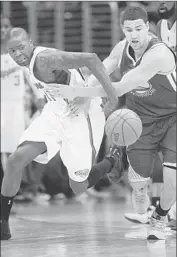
[(148, 74), (78, 136)]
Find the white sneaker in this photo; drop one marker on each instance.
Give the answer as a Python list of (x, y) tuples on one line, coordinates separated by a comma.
[(158, 228), (140, 218), (140, 200), (156, 248)]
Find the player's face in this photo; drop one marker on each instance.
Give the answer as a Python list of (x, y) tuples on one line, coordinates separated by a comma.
[(166, 6), (5, 27), (166, 9), (20, 49), (136, 32)]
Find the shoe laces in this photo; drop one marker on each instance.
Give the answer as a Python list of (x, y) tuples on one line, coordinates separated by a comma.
[(158, 224)]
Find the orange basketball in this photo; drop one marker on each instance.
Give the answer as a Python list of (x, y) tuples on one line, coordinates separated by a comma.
[(123, 127)]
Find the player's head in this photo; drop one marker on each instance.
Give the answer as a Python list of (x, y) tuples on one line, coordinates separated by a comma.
[(166, 9), (20, 46), (5, 27), (135, 25)]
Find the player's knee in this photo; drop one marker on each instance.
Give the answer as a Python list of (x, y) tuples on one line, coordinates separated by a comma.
[(14, 161), (137, 181), (17, 160), (78, 187)]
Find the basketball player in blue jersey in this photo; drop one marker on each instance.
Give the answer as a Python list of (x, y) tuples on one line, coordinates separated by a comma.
[(147, 67), (166, 32), (78, 137)]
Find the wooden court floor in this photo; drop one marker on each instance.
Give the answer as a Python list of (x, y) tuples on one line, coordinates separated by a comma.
[(74, 229)]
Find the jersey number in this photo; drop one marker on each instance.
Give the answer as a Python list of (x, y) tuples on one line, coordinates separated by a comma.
[(17, 80)]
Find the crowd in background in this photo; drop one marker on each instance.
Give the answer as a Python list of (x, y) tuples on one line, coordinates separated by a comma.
[(52, 179)]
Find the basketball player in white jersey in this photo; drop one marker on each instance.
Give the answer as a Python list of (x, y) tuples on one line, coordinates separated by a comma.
[(12, 96), (166, 27), (147, 67), (166, 30), (78, 137)]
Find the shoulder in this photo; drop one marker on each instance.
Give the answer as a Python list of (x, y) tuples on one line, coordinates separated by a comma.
[(161, 56), (44, 57), (159, 52), (118, 49)]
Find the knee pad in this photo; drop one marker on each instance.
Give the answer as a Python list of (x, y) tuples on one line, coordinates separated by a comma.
[(78, 187), (170, 178), (137, 182), (135, 177), (170, 165), (79, 175)]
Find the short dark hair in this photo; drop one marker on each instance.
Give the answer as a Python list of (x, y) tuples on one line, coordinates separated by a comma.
[(134, 13)]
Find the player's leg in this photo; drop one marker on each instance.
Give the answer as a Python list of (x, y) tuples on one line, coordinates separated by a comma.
[(77, 149), (157, 180), (141, 164), (40, 142), (15, 165), (168, 194), (155, 189), (172, 217), (110, 162)]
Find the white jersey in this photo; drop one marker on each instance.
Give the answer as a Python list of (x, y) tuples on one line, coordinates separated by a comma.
[(12, 103), (167, 35), (12, 81), (77, 138), (75, 80)]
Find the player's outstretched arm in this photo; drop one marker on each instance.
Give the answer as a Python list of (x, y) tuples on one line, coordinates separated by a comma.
[(111, 63), (50, 60), (157, 60)]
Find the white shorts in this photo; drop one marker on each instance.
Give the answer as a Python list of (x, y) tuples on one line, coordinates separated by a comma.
[(12, 125), (69, 135)]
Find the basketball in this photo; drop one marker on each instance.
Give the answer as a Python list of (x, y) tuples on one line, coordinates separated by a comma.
[(123, 127)]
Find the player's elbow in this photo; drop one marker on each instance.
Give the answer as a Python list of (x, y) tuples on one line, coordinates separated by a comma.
[(92, 59)]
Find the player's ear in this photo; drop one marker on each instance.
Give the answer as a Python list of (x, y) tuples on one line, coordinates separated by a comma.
[(31, 42), (122, 27), (147, 25)]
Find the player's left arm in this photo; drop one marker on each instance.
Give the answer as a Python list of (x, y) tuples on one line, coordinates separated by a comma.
[(157, 60)]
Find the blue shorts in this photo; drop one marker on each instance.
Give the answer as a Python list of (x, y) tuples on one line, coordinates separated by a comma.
[(159, 135)]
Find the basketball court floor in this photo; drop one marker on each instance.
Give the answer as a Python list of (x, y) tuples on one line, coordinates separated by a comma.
[(74, 229)]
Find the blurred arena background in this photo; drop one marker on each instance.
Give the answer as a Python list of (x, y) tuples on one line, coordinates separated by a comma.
[(71, 26), (74, 26)]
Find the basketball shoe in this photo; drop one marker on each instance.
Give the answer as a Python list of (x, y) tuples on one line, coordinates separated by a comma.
[(140, 218), (5, 230), (117, 172), (157, 227)]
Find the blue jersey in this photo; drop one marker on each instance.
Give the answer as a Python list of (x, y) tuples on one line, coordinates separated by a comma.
[(156, 99)]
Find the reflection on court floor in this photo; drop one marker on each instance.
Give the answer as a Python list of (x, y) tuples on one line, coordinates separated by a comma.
[(75, 229)]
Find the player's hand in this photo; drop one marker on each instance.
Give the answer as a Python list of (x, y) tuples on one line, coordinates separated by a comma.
[(61, 91), (109, 108), (79, 104)]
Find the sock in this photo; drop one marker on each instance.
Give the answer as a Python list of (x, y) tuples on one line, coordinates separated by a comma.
[(155, 201), (160, 211), (6, 205), (98, 171)]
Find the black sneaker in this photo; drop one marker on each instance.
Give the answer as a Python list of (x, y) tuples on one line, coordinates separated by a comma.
[(117, 172), (5, 230)]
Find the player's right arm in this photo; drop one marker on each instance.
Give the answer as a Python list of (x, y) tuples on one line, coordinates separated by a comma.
[(51, 60)]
